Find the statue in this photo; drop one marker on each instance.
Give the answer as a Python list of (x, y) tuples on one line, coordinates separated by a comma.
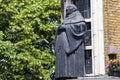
[(69, 45)]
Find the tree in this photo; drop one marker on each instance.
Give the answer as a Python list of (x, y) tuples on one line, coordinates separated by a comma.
[(26, 36)]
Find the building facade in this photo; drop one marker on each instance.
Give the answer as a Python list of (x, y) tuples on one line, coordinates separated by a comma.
[(102, 41), (112, 25)]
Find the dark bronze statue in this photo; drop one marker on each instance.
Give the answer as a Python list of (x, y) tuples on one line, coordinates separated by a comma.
[(69, 45)]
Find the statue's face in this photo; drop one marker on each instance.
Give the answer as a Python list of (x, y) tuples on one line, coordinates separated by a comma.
[(70, 9)]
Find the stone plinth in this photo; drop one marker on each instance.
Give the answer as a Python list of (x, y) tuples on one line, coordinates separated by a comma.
[(97, 78)]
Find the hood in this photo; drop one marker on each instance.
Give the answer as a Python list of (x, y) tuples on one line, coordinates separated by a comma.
[(72, 14)]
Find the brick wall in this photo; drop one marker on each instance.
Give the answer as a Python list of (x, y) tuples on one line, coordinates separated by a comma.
[(112, 25)]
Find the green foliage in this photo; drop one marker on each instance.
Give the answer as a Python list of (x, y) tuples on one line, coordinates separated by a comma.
[(1, 35), (26, 36)]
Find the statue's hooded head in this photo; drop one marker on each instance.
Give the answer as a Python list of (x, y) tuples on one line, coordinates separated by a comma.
[(72, 14), (70, 8)]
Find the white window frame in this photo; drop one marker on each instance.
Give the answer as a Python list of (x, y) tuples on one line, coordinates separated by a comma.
[(98, 37)]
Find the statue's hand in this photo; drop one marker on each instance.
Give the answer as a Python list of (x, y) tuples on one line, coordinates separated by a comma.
[(62, 26)]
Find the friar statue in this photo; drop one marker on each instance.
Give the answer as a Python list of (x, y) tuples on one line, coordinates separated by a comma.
[(69, 45)]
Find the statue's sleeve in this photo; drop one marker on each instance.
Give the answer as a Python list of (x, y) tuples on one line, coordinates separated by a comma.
[(78, 29), (75, 34), (61, 39)]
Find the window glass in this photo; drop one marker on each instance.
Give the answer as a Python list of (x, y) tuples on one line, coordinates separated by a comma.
[(88, 35), (83, 7), (88, 61)]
